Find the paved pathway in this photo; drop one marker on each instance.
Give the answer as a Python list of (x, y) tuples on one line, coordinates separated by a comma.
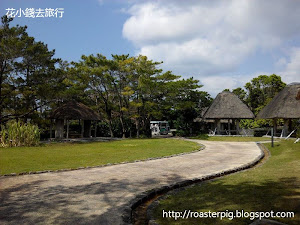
[(98, 195)]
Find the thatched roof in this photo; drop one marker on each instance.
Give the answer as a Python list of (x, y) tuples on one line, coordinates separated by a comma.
[(74, 111), (228, 106), (285, 105)]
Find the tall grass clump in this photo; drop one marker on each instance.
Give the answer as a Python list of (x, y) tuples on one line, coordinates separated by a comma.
[(19, 134)]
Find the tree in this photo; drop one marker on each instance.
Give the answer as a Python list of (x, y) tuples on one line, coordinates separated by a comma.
[(10, 50), (93, 73), (144, 82), (120, 70), (241, 93), (27, 68), (261, 90)]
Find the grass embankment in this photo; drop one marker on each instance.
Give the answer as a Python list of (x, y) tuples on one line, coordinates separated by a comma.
[(231, 138), (68, 155), (273, 186)]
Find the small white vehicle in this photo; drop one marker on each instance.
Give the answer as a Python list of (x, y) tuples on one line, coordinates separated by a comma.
[(159, 128)]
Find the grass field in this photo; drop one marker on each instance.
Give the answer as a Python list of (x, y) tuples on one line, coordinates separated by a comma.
[(231, 138), (274, 185), (67, 155)]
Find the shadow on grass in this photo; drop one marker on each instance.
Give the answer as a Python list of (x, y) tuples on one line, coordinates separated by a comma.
[(95, 203), (281, 196)]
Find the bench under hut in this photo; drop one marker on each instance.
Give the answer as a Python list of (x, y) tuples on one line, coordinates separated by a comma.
[(73, 110), (285, 105), (228, 106)]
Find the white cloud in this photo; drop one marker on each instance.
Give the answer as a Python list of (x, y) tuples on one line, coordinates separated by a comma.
[(203, 55), (100, 2), (211, 39), (291, 72), (154, 22), (216, 84)]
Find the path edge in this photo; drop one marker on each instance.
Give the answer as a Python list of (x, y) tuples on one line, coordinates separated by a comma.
[(147, 195), (201, 147)]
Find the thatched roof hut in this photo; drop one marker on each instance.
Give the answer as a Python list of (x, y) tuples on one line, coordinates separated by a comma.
[(285, 105), (74, 111), (228, 106)]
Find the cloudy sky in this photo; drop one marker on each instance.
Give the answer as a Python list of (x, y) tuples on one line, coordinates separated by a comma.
[(223, 44)]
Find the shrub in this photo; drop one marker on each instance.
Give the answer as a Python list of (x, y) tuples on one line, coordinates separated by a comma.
[(202, 136), (259, 132), (18, 134)]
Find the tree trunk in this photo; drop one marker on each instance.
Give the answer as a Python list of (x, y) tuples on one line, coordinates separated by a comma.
[(110, 128), (123, 127), (1, 81), (137, 126)]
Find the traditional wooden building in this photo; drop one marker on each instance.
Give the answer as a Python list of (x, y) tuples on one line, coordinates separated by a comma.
[(73, 110), (285, 105), (228, 106)]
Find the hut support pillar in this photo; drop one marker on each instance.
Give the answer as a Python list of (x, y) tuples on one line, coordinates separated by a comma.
[(67, 129), (286, 127), (229, 132), (51, 129), (237, 127), (87, 128), (218, 125), (59, 128), (95, 124), (82, 128), (275, 126)]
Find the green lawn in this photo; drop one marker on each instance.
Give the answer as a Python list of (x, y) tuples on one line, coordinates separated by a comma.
[(231, 138), (274, 185), (67, 155)]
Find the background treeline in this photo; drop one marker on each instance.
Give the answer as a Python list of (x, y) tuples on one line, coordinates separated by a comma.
[(128, 92), (256, 94)]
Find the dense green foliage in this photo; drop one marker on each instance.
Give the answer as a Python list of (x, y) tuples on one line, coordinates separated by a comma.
[(128, 92), (261, 90), (28, 74), (273, 186), (67, 155), (257, 94), (133, 91), (18, 134)]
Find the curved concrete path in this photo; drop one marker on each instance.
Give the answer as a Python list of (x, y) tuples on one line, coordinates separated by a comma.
[(99, 195)]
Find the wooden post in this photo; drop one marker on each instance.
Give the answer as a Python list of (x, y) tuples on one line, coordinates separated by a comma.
[(272, 137), (286, 127), (90, 130), (59, 128), (237, 126), (87, 128), (67, 129), (275, 126), (218, 125), (229, 133), (50, 128), (82, 127), (95, 122)]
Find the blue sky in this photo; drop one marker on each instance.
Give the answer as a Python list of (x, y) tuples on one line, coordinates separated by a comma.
[(224, 44), (87, 27)]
